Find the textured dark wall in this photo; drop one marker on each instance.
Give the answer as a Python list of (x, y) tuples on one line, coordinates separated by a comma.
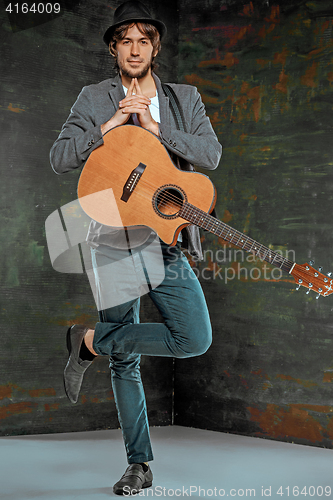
[(43, 68), (265, 70)]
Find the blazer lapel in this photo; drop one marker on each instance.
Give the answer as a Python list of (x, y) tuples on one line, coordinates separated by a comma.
[(163, 101), (116, 92)]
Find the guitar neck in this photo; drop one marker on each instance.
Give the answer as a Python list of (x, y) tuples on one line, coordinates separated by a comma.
[(209, 223)]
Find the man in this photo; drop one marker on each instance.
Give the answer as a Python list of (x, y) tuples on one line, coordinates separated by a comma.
[(135, 96)]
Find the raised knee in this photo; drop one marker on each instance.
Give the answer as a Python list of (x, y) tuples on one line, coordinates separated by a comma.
[(196, 346), (201, 345)]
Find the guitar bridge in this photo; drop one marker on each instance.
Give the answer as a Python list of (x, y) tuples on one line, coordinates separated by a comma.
[(132, 182)]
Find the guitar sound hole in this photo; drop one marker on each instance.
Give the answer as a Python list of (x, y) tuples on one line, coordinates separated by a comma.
[(168, 201)]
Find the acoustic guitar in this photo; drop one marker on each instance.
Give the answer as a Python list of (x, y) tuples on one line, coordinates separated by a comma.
[(131, 181)]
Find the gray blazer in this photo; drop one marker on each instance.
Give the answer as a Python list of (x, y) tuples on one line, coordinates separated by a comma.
[(97, 103)]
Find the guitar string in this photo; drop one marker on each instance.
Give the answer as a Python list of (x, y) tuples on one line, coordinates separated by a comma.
[(261, 251), (167, 196), (212, 225), (258, 249)]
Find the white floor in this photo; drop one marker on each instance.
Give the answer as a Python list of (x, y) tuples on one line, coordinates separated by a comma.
[(188, 463)]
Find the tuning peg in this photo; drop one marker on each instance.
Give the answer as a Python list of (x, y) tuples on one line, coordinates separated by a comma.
[(329, 274), (320, 269), (298, 287), (317, 296), (307, 292), (311, 262)]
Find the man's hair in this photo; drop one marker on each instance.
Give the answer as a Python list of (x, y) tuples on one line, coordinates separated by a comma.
[(146, 29)]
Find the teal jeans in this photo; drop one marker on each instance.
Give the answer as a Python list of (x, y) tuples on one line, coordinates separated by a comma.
[(186, 332)]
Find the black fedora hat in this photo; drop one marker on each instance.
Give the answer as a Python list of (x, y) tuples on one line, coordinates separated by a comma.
[(132, 11)]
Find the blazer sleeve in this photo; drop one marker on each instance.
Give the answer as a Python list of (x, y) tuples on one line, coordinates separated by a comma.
[(79, 136), (199, 144)]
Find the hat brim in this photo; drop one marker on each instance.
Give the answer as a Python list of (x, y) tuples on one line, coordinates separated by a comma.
[(158, 24)]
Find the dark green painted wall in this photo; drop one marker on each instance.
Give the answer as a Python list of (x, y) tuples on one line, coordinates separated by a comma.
[(265, 71)]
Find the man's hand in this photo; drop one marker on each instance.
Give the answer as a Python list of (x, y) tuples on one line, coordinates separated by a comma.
[(134, 102), (139, 104)]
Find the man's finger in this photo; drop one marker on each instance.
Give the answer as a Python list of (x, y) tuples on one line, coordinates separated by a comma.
[(133, 100), (137, 87), (138, 108), (130, 89)]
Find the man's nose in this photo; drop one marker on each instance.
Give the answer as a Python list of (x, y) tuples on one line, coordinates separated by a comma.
[(135, 49)]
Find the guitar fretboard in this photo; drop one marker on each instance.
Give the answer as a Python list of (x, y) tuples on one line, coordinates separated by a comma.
[(205, 221)]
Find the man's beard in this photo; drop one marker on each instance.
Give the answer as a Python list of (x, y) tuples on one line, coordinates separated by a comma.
[(133, 73)]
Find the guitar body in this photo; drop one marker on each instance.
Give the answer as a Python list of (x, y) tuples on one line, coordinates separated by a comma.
[(131, 181)]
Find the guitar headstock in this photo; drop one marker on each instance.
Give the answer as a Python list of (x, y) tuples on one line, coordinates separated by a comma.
[(314, 280)]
